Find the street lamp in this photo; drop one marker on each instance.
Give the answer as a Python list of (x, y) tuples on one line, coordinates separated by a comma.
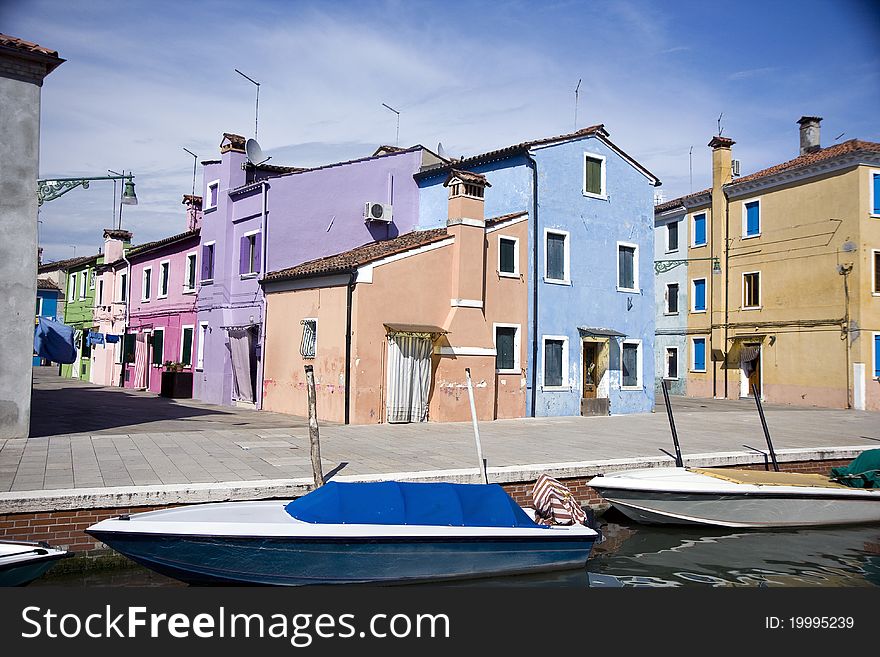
[(50, 189)]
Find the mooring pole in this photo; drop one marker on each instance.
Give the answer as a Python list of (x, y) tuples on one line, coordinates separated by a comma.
[(482, 461), (679, 462), (764, 425), (314, 437)]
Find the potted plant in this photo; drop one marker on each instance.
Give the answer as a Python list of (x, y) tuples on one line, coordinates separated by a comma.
[(177, 381)]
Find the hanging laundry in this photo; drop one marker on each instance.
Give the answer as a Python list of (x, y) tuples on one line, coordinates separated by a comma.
[(54, 341), (95, 338), (112, 338)]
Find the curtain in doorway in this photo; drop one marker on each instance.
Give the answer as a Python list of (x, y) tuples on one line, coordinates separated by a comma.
[(140, 361), (409, 377), (240, 346)]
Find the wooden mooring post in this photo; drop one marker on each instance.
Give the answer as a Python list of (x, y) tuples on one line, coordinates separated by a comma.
[(314, 436)]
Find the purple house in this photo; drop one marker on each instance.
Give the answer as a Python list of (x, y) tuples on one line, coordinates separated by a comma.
[(260, 218)]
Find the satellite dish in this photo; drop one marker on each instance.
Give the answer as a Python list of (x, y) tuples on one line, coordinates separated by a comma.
[(254, 152), (441, 151)]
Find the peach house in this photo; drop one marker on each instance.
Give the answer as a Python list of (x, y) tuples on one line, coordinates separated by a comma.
[(390, 327)]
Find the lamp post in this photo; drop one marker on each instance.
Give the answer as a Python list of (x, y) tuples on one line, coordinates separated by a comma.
[(52, 188)]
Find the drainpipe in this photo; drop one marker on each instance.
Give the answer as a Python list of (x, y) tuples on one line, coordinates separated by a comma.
[(533, 165), (726, 284), (352, 278), (127, 317), (264, 256)]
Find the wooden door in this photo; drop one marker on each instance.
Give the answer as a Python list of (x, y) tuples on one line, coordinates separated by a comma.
[(591, 370), (755, 372)]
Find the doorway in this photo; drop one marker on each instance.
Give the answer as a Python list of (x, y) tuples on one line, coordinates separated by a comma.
[(594, 395), (409, 378), (750, 364)]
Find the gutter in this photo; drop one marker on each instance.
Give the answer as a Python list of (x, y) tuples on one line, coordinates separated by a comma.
[(264, 256), (533, 165), (352, 281), (127, 317), (727, 287)]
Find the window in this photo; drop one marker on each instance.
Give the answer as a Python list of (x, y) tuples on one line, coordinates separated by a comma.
[(309, 342), (698, 296), (631, 365), (147, 276), (208, 262), (555, 362), (83, 281), (751, 219), (39, 306), (627, 267), (158, 342), (186, 345), (556, 251), (671, 363), (203, 334), (876, 277), (507, 348), (752, 290), (672, 236), (71, 287), (164, 273), (249, 254), (698, 354), (101, 291), (190, 283), (212, 195), (672, 298), (508, 256), (128, 342), (594, 175), (91, 279), (123, 287), (876, 355), (875, 193), (700, 229)]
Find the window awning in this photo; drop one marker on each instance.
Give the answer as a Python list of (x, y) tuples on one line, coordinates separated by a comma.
[(599, 332), (415, 328)]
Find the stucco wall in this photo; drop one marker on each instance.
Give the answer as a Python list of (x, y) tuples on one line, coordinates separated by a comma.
[(671, 328)]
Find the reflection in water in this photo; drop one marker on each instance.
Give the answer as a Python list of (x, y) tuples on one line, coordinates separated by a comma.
[(655, 556)]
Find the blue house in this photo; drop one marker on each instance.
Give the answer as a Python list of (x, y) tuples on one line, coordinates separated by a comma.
[(591, 250), (47, 305)]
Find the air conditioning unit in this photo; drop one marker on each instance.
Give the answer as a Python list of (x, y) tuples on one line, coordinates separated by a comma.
[(377, 212), (734, 168)]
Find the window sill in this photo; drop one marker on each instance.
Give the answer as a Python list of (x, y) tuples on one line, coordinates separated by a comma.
[(698, 371), (670, 378), (669, 251), (557, 281), (162, 296), (555, 388), (207, 281), (745, 308), (631, 388), (189, 291), (751, 237), (508, 274), (211, 209), (516, 370), (145, 301), (599, 197), (699, 246), (698, 312), (629, 290), (245, 277), (675, 314)]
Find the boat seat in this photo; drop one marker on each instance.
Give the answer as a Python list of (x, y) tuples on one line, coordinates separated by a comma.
[(765, 478)]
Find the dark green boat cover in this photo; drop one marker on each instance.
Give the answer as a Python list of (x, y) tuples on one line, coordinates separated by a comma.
[(863, 472)]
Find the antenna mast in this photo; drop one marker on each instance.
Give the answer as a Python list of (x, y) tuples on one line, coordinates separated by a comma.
[(257, 110), (691, 167), (195, 159), (719, 123), (397, 138), (576, 104)]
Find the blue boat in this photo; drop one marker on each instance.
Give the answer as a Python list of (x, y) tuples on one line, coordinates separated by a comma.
[(21, 562), (349, 533)]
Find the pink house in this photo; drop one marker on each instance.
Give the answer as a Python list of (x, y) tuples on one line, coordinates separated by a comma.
[(110, 309), (162, 320)]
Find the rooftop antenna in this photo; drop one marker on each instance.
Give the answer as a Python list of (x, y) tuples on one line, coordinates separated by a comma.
[(719, 123), (576, 104), (114, 197), (397, 139), (839, 136), (195, 160), (691, 167), (257, 110)]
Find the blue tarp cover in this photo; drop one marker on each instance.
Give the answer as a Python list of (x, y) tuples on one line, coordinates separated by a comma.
[(398, 503), (54, 341)]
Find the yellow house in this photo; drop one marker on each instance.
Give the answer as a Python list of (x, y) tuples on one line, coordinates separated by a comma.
[(783, 281)]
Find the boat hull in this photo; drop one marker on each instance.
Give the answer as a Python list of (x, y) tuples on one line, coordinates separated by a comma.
[(282, 561), (25, 562)]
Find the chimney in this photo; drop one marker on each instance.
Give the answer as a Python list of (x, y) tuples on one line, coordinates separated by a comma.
[(721, 165), (114, 242), (810, 134), (193, 211)]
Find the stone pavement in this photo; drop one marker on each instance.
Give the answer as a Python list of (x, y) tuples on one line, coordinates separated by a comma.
[(159, 444)]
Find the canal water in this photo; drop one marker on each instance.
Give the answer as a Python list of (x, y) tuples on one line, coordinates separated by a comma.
[(632, 555)]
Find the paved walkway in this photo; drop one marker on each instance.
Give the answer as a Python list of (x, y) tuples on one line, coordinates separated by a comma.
[(128, 439)]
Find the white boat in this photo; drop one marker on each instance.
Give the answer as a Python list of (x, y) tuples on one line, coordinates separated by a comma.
[(378, 533), (21, 562), (736, 498)]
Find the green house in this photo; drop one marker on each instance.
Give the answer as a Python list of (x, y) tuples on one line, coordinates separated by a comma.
[(79, 313)]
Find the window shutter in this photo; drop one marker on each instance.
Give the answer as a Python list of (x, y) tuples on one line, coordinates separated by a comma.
[(630, 364), (508, 264), (553, 363), (626, 261), (206, 261), (555, 256), (700, 229), (504, 341), (753, 219), (158, 347), (877, 355), (243, 255), (699, 354), (594, 176), (128, 348), (672, 300), (186, 357), (877, 193), (699, 295), (255, 267)]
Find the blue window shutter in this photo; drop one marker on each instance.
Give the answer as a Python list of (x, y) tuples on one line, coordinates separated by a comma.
[(877, 355), (753, 218), (243, 255), (700, 229), (699, 295), (257, 241), (700, 354), (876, 208)]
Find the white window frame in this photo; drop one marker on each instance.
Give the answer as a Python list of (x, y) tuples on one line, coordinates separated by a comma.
[(517, 367), (71, 286), (302, 323), (515, 272), (760, 291), (211, 244), (145, 288), (122, 296), (83, 282), (566, 384), (159, 294), (192, 344), (678, 231), (603, 195), (251, 274), (666, 364), (745, 218), (566, 254), (694, 354), (694, 216), (871, 200), (92, 277), (39, 306), (157, 329), (200, 358), (635, 289), (192, 255), (213, 183), (639, 382), (693, 303), (99, 293), (666, 310)]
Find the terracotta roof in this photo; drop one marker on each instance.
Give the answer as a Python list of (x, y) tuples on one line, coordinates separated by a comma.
[(193, 199), (45, 284), (504, 217), (232, 142), (815, 157), (68, 264), (26, 46), (350, 260), (468, 177), (387, 149), (116, 234), (678, 202), (141, 249)]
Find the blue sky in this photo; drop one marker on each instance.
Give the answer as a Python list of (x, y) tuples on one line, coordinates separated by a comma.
[(145, 79)]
